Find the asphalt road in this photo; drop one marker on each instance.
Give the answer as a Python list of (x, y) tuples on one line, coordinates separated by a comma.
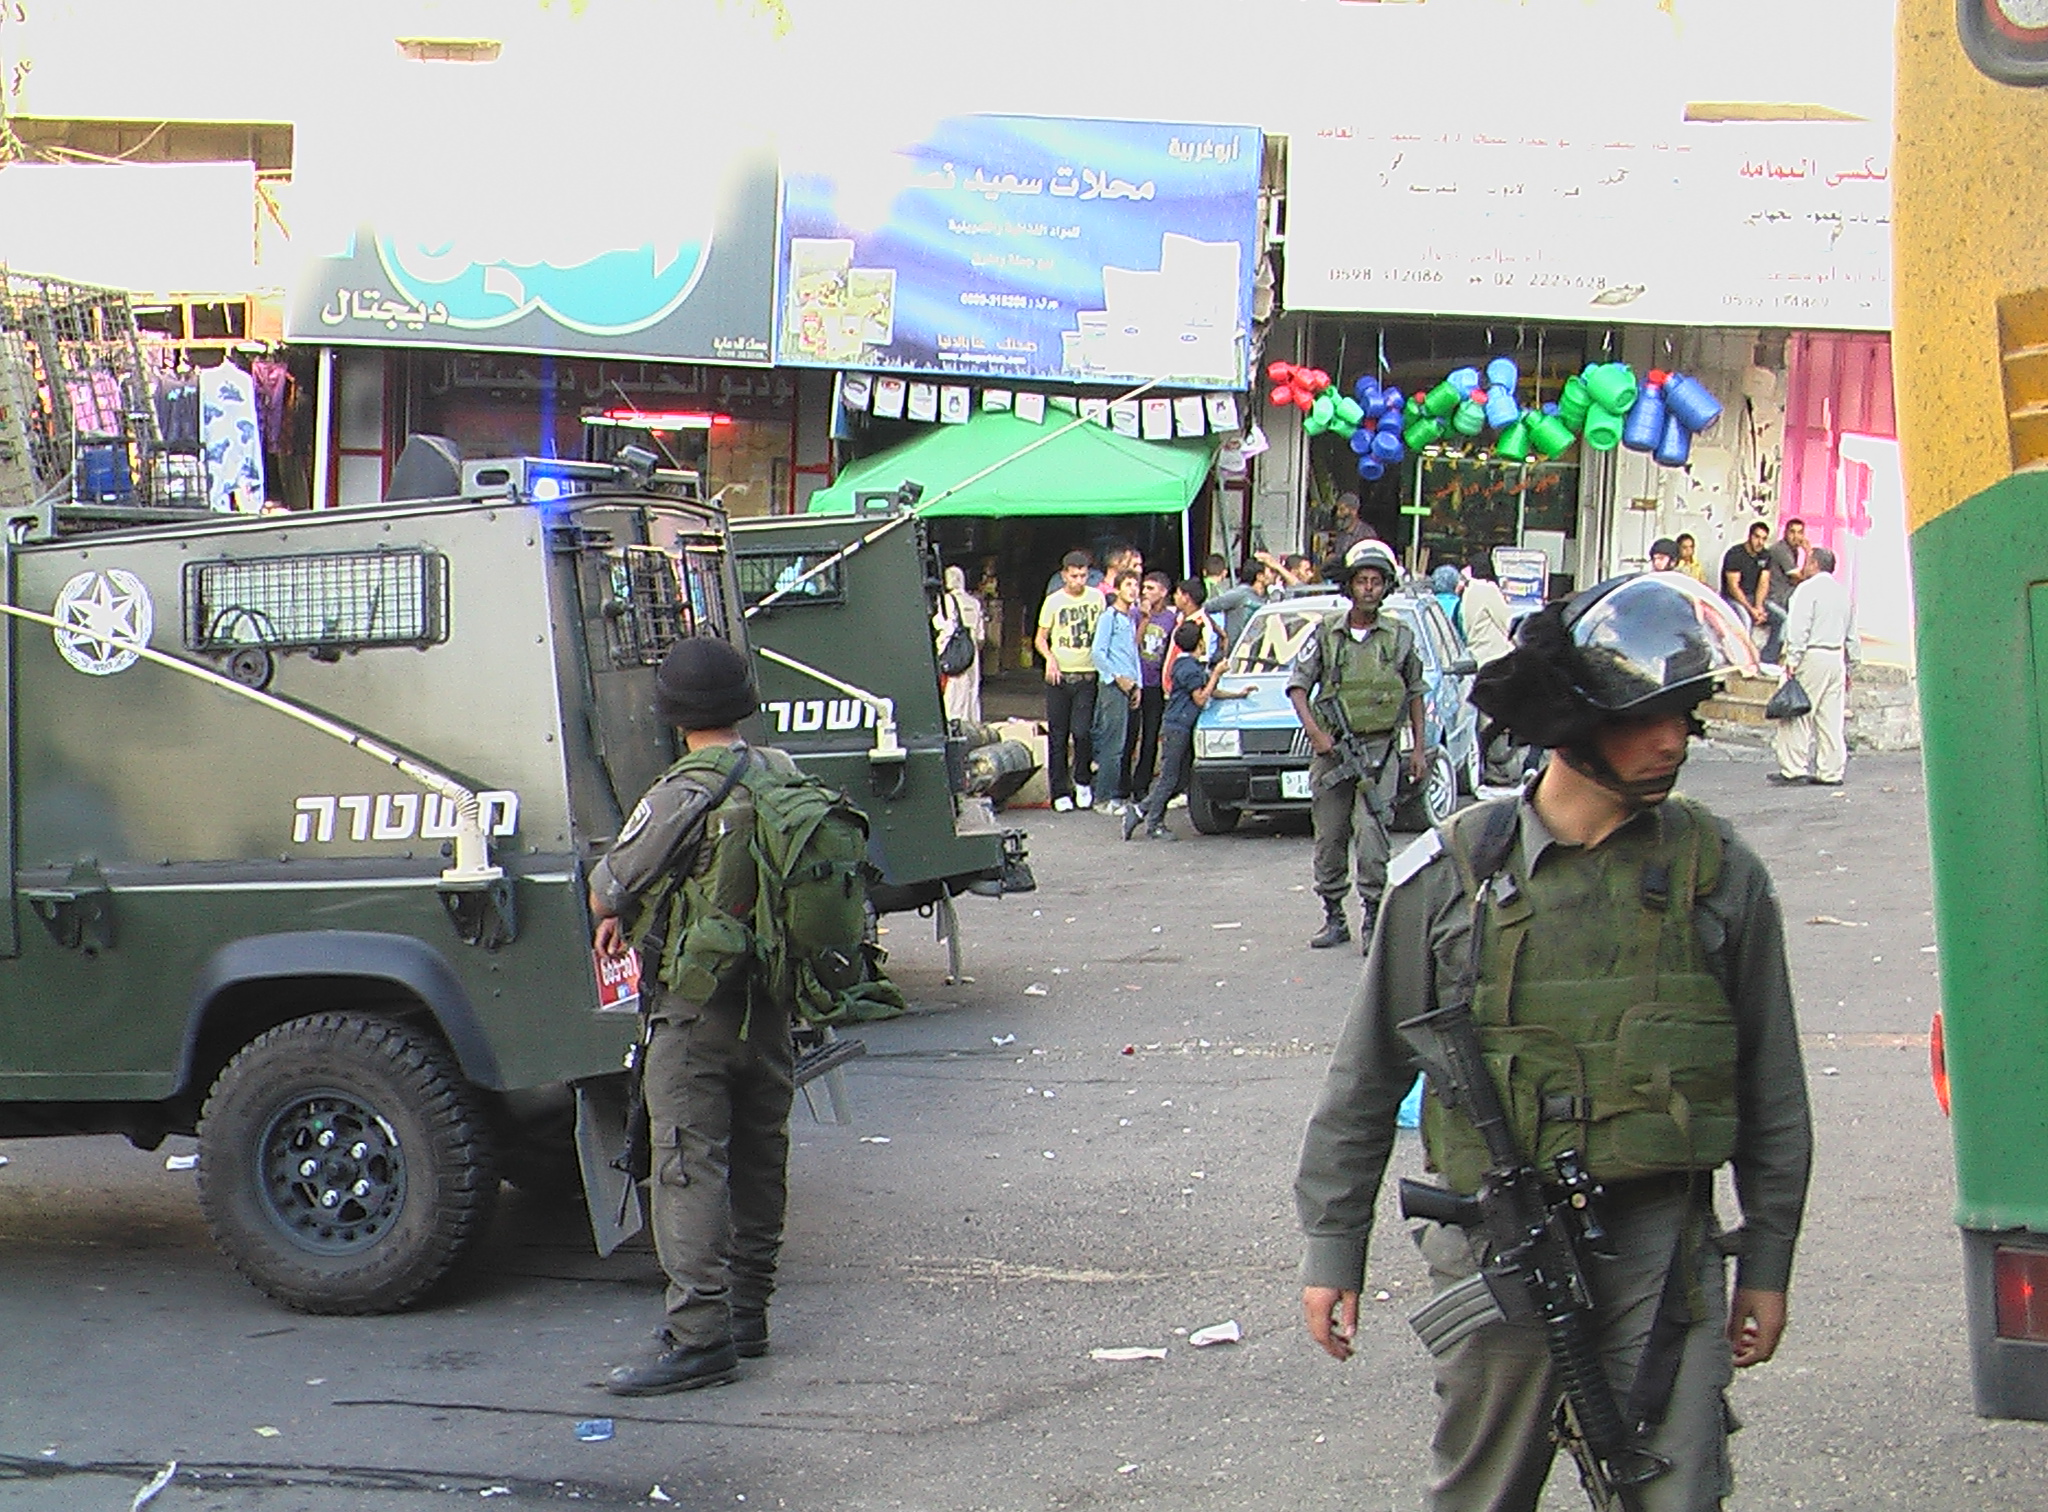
[(1089, 1145)]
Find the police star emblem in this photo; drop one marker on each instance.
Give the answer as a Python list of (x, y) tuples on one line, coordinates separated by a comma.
[(103, 617)]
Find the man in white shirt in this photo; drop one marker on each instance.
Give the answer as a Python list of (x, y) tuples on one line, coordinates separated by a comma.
[(1822, 649), (1484, 609)]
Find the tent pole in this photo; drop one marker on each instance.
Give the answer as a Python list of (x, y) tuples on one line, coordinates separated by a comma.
[(1187, 552)]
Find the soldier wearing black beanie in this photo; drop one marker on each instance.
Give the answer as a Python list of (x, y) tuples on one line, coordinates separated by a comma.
[(704, 684), (717, 1064)]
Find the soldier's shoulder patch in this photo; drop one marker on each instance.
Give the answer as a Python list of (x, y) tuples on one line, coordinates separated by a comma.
[(1424, 849), (636, 821)]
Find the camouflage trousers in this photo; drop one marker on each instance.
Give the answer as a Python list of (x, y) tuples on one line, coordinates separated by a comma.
[(718, 1113)]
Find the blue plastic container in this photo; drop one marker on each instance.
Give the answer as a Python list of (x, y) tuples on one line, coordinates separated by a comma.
[(1371, 469), (1502, 373), (1387, 445), (1644, 427), (1675, 448), (1501, 409), (1690, 402)]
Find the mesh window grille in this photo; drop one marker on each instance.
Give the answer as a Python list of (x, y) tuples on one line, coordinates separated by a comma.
[(342, 600), (664, 597), (762, 572)]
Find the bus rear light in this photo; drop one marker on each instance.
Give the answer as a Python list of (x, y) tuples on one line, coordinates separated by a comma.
[(2020, 1279), (1937, 1062)]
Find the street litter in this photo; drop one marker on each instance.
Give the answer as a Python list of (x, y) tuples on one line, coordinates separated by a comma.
[(1125, 1354), (1036, 989), (1233, 924), (594, 1430), (1130, 1049), (1216, 1333), (181, 1162), (495, 1491), (3, 1160), (268, 1432), (1050, 1156), (657, 1494), (1000, 1040), (874, 1139), (1830, 1070), (156, 1483), (1927, 950), (1845, 923), (1126, 1469)]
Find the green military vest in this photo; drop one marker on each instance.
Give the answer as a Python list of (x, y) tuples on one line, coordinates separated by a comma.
[(700, 921), (1605, 1030), (1364, 677)]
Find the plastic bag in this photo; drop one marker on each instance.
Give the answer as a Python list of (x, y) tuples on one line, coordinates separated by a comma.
[(1789, 702)]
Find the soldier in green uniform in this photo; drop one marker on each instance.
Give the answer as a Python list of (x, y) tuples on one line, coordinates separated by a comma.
[(1361, 667), (718, 1064), (1631, 994)]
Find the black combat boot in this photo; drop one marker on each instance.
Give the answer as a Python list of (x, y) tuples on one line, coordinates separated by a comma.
[(1367, 919), (1334, 931), (675, 1368)]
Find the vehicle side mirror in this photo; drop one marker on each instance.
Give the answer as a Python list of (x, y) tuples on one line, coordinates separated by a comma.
[(1463, 666)]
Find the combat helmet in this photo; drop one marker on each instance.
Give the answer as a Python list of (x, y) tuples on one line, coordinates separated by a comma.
[(1633, 647)]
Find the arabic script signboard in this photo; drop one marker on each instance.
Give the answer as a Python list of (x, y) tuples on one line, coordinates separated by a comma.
[(1689, 223), (663, 278), (1021, 247)]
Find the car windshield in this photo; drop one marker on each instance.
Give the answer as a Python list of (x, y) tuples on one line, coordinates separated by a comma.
[(1271, 641)]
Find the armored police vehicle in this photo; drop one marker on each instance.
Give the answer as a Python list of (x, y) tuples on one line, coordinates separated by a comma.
[(298, 811)]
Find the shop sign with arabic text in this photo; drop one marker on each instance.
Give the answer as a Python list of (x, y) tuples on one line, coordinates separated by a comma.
[(1028, 248)]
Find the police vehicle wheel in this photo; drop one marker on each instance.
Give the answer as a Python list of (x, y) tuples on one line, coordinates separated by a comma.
[(344, 1167), (1435, 799), (1207, 817)]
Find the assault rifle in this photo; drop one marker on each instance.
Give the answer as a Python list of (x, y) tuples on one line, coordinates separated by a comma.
[(1534, 1242), (1350, 754)]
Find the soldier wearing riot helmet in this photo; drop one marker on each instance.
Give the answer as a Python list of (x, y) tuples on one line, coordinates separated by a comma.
[(1352, 685), (1623, 955), (717, 1064)]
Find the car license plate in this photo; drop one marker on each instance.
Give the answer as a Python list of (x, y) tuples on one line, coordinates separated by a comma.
[(1294, 785)]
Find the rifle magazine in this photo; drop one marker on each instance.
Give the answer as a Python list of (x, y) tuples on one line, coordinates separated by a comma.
[(1454, 1315)]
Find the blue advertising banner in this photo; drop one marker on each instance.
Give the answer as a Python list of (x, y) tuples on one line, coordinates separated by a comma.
[(1028, 248)]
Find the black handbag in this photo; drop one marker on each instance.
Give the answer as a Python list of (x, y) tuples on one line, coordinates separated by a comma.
[(956, 648), (1789, 702)]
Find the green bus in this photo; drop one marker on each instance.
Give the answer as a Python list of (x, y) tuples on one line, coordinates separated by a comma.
[(1970, 349)]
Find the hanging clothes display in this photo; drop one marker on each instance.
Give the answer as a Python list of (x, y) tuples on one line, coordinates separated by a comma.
[(232, 444)]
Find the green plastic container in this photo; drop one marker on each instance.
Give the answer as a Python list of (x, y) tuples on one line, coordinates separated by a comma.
[(1611, 386), (1551, 435), (1573, 402)]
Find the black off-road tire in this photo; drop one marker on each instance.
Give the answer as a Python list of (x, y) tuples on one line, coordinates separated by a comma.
[(1207, 817), (344, 1165)]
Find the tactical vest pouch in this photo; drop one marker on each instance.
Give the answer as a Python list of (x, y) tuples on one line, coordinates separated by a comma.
[(1670, 1091)]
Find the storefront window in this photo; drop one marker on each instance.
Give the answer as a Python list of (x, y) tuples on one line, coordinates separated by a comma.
[(1473, 501), (735, 427)]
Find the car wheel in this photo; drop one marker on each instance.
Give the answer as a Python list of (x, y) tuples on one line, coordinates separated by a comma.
[(344, 1166), (1434, 799), (1207, 817), (1474, 771)]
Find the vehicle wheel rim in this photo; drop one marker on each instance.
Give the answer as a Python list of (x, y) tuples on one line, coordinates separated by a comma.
[(332, 1173), (1443, 787)]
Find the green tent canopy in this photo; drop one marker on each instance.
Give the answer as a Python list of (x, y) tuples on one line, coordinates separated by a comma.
[(1086, 470)]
